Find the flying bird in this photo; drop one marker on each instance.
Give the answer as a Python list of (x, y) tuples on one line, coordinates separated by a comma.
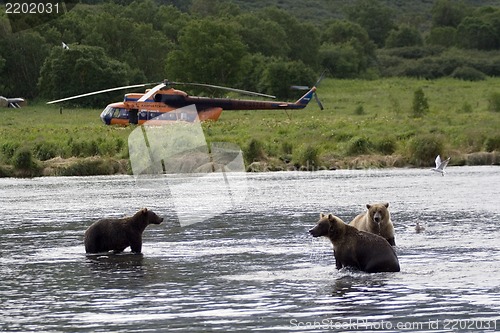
[(65, 46), (440, 165)]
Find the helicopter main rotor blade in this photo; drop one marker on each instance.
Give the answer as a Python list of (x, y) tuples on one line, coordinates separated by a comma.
[(99, 92), (151, 92), (300, 87), (225, 88)]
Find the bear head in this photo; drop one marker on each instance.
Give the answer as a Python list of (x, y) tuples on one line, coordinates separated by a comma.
[(150, 216), (328, 225), (378, 212)]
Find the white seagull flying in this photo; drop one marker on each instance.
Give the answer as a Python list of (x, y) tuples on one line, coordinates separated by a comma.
[(440, 165)]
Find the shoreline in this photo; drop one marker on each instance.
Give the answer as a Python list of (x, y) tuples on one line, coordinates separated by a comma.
[(385, 134), (101, 166)]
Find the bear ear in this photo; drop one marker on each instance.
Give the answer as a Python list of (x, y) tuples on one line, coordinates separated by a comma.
[(144, 210), (332, 223), (368, 206), (386, 204)]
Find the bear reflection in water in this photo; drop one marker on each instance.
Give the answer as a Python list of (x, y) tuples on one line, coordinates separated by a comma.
[(354, 248), (117, 234)]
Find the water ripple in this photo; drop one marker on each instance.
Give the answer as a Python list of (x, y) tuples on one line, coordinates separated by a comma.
[(253, 268)]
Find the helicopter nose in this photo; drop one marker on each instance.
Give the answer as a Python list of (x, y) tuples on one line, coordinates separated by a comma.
[(105, 117)]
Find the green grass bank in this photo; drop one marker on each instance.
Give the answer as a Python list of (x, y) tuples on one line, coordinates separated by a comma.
[(379, 123)]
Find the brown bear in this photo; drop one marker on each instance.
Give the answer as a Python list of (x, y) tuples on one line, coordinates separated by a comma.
[(376, 220), (354, 248), (117, 234)]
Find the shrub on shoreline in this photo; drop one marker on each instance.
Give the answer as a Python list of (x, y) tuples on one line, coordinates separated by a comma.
[(254, 151), (24, 163), (359, 146), (307, 158), (423, 149)]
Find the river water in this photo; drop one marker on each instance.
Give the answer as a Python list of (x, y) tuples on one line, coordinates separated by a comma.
[(251, 265)]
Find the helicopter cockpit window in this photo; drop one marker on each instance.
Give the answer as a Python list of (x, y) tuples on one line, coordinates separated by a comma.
[(120, 113), (108, 110)]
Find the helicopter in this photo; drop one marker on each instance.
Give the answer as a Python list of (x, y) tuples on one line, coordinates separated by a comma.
[(158, 102)]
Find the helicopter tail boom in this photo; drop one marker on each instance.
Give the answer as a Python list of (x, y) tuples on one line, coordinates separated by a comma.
[(304, 100)]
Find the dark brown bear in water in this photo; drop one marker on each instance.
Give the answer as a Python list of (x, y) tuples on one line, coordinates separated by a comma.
[(354, 248), (376, 220), (117, 234)]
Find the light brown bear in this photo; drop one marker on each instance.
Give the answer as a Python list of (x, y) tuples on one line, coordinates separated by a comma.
[(117, 234), (376, 220), (354, 248)]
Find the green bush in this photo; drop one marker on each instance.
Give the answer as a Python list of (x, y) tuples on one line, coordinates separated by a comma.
[(468, 73), (386, 146), (90, 167), (46, 150), (254, 151), (7, 149), (359, 110), (420, 105), (442, 35), (359, 146), (279, 75), (4, 172), (109, 147), (96, 70), (492, 143), (426, 68), (307, 158), (84, 148), (432, 62), (24, 163), (403, 36), (412, 52), (287, 147), (23, 159), (494, 101), (423, 149)]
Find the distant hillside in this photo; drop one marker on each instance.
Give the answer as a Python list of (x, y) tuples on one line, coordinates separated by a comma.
[(413, 11)]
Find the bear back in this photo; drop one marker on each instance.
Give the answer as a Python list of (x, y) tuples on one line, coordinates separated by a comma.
[(117, 234), (354, 248)]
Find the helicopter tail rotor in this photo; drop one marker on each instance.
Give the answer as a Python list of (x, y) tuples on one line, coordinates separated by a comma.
[(315, 92), (321, 77), (318, 101)]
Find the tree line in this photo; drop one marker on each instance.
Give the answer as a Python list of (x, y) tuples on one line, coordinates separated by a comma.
[(125, 42)]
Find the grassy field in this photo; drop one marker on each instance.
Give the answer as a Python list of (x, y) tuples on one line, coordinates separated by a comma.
[(364, 124)]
